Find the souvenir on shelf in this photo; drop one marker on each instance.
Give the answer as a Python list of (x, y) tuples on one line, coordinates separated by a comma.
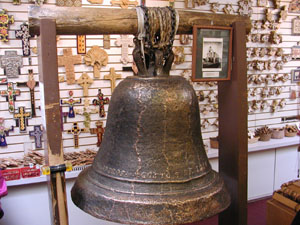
[(97, 58), (4, 132), (68, 60), (264, 133), (124, 41), (275, 38), (290, 130), (37, 133), (251, 137), (11, 63), (99, 131), (81, 44), (31, 84), (70, 102), (24, 35), (75, 131), (112, 76), (6, 20), (179, 55), (101, 101), (22, 119), (124, 4), (86, 112), (245, 8), (85, 81), (10, 95)]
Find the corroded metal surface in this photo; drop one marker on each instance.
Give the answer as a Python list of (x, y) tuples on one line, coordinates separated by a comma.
[(151, 167)]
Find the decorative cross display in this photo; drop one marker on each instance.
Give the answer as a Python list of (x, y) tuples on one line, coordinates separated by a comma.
[(99, 130), (5, 21), (10, 95), (11, 62), (101, 101), (112, 77), (4, 132), (22, 119), (124, 3), (70, 102), (81, 44), (85, 82), (68, 60), (68, 3), (37, 133), (97, 58), (75, 131), (31, 84), (125, 42), (24, 35), (106, 41), (86, 112), (63, 116)]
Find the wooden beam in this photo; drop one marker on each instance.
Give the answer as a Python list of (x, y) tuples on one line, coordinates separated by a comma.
[(233, 141), (84, 21), (49, 86)]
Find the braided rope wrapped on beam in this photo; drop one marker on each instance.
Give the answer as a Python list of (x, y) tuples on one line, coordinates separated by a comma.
[(76, 21)]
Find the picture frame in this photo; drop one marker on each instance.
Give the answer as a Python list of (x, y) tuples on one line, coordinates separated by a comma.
[(296, 75), (296, 26), (212, 53)]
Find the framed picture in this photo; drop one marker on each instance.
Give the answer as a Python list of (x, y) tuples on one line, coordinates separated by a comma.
[(212, 51), (296, 75), (296, 26)]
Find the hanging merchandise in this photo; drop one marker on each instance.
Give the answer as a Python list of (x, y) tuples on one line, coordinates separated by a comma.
[(86, 112), (70, 102), (99, 130), (37, 133), (11, 63), (10, 95), (22, 119), (97, 58), (76, 131), (24, 35), (5, 21), (101, 101), (85, 81), (4, 132), (112, 76), (124, 41), (81, 44)]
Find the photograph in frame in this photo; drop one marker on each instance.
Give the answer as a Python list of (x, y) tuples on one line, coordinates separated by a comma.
[(211, 53)]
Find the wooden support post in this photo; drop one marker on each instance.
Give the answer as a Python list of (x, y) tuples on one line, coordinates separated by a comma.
[(52, 119), (233, 142)]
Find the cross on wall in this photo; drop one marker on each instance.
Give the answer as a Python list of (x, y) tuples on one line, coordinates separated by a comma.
[(85, 81), (70, 102), (37, 133), (22, 119), (99, 130), (11, 63), (4, 132), (112, 76), (101, 101), (75, 131), (125, 41), (24, 35), (86, 112), (10, 95), (6, 20)]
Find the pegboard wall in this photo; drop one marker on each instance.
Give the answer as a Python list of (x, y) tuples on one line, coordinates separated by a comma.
[(269, 74)]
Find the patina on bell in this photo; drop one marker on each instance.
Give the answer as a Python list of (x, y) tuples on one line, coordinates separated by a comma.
[(151, 167)]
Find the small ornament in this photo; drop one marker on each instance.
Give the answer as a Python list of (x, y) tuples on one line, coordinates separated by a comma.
[(253, 92), (69, 3), (205, 124), (99, 130), (85, 82), (81, 44), (11, 62), (249, 37), (283, 14), (106, 41), (31, 84), (256, 38), (61, 79), (264, 92), (5, 21), (263, 105), (205, 110), (34, 50), (275, 38), (279, 52), (228, 9), (272, 91), (22, 119), (272, 51), (286, 58), (70, 102), (124, 3), (101, 101), (278, 90), (245, 8), (215, 7), (259, 65), (201, 96), (293, 94), (86, 112), (97, 58), (274, 106), (24, 35), (38, 2), (269, 15), (215, 123), (184, 39), (125, 41), (262, 3), (296, 51), (68, 60), (282, 103), (187, 75), (112, 76), (249, 52), (257, 25), (254, 105), (276, 3), (10, 95), (37, 133), (255, 52), (274, 26), (179, 55), (264, 38), (4, 132), (267, 79), (263, 52), (279, 65), (76, 131), (212, 97), (284, 78)]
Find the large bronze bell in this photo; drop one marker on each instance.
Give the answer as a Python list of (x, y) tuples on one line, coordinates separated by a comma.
[(151, 167)]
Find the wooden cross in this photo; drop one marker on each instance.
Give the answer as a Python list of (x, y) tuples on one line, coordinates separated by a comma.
[(31, 84), (68, 60), (113, 76), (24, 35), (37, 133), (4, 132), (124, 3), (5, 21), (70, 102), (97, 58), (10, 95), (101, 101), (106, 41), (85, 82), (22, 119), (99, 130), (86, 112), (125, 42), (81, 44), (75, 131), (11, 62), (63, 116)]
